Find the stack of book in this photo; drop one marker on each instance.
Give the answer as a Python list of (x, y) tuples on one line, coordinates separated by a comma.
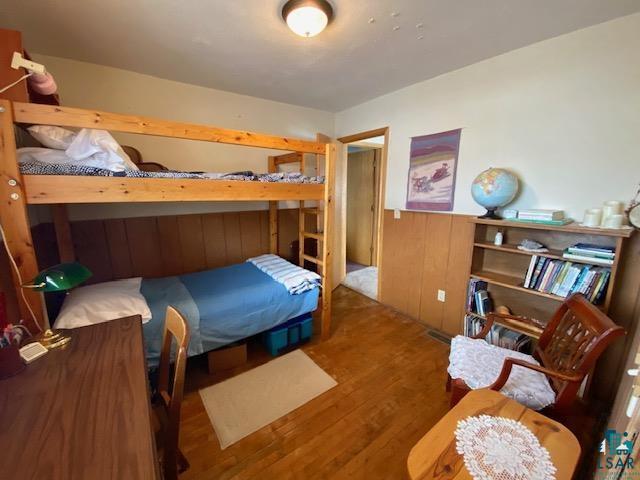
[(478, 300), (591, 253), (564, 278), (545, 217)]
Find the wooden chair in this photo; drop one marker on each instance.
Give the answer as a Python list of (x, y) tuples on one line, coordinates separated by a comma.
[(573, 340), (169, 397)]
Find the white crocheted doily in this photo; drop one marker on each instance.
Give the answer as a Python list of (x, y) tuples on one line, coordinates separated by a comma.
[(496, 448)]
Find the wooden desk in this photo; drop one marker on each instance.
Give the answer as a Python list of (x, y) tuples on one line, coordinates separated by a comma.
[(81, 411), (435, 456)]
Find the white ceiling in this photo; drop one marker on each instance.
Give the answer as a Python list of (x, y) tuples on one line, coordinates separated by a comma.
[(244, 46)]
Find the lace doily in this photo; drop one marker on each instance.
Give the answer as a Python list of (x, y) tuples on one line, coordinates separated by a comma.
[(479, 365), (496, 448)]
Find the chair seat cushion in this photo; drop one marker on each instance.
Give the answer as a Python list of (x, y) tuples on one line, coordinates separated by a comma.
[(479, 364)]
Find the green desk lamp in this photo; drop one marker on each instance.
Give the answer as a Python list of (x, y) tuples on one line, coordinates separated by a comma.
[(58, 278)]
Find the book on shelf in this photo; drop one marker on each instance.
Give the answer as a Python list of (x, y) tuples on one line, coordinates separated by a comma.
[(563, 278), (589, 248), (591, 253), (475, 285), (540, 214), (587, 252), (556, 223), (482, 302), (532, 264), (587, 258)]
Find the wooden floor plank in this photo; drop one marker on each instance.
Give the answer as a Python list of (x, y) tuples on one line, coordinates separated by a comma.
[(390, 391)]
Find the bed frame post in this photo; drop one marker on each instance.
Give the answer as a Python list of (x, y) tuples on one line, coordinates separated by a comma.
[(66, 251), (299, 157), (273, 214), (327, 231), (320, 137), (15, 220)]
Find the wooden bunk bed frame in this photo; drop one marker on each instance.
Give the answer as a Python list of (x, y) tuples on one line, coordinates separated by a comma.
[(18, 191)]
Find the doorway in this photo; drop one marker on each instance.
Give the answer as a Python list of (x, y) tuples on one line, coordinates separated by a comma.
[(365, 161)]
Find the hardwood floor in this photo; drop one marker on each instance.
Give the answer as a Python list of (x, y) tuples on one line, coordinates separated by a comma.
[(391, 377)]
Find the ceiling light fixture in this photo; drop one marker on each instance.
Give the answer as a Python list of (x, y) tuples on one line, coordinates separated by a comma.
[(307, 18)]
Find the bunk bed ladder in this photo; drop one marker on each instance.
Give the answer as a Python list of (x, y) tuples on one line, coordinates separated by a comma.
[(324, 219)]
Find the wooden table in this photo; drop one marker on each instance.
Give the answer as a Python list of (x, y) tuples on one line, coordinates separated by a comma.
[(435, 456), (81, 411)]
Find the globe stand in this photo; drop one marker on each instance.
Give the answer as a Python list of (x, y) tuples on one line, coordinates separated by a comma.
[(491, 213)]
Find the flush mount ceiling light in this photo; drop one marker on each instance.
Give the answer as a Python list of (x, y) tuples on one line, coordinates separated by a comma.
[(307, 18)]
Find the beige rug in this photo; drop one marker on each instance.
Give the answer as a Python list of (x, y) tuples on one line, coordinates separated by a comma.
[(244, 404)]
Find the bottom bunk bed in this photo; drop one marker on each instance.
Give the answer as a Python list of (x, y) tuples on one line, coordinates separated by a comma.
[(222, 305)]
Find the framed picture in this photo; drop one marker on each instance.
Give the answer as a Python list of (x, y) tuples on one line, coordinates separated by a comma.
[(432, 171)]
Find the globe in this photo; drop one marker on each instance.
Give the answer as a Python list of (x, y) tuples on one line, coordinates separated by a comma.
[(493, 188)]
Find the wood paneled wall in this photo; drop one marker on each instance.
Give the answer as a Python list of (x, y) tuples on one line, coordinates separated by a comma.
[(167, 245), (423, 253), (157, 246)]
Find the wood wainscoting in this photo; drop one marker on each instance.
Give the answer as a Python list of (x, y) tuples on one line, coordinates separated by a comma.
[(168, 245), (422, 253)]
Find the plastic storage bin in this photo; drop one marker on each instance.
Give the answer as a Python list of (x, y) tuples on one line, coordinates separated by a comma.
[(288, 334)]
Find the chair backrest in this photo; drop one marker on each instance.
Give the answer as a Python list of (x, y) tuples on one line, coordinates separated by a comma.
[(175, 327), (577, 334)]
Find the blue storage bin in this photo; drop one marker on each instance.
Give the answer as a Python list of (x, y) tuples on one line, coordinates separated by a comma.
[(288, 334)]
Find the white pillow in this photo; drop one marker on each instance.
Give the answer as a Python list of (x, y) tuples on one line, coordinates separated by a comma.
[(103, 302), (91, 148), (97, 148), (45, 155), (52, 137)]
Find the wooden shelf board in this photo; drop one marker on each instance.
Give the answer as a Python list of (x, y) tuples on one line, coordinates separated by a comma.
[(514, 283), (569, 228), (553, 254)]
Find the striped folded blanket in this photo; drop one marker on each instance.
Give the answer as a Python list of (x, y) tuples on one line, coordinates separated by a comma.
[(295, 279)]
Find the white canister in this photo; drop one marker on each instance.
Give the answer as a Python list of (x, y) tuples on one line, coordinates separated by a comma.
[(498, 239), (592, 217), (614, 221), (612, 207)]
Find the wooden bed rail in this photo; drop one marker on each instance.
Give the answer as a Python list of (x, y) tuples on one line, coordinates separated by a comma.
[(31, 113)]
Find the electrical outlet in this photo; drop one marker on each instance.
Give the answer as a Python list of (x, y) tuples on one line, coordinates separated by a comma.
[(396, 213), (441, 295)]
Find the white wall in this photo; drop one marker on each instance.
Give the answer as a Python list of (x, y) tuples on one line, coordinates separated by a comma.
[(563, 114), (88, 85)]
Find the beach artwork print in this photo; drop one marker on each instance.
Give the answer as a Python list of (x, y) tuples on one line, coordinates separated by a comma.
[(432, 171)]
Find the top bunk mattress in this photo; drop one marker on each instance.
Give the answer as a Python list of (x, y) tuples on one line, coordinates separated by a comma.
[(34, 167)]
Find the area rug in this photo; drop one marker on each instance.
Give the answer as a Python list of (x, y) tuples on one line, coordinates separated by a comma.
[(244, 404), (364, 281)]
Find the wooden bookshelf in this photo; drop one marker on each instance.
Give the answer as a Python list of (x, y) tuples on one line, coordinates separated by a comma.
[(504, 267)]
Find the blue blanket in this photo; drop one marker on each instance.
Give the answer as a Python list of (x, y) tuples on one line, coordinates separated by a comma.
[(221, 305)]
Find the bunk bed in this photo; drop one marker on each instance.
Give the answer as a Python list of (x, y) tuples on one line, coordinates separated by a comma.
[(18, 191)]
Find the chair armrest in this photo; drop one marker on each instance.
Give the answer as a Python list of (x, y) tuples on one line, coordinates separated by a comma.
[(510, 362), (514, 320)]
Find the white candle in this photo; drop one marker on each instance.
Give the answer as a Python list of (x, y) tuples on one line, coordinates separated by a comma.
[(592, 217), (612, 207), (614, 221)]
